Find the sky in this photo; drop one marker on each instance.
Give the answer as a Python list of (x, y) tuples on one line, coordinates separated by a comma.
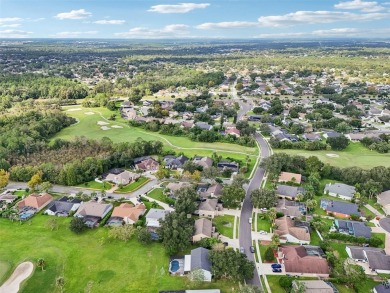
[(216, 19)]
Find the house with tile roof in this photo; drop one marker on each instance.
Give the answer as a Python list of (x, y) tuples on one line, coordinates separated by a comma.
[(292, 231), (290, 177), (126, 213), (36, 201), (203, 229)]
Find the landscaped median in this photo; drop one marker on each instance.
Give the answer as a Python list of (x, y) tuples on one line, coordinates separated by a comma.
[(133, 186)]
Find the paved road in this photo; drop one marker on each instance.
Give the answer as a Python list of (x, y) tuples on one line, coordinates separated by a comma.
[(244, 106), (245, 233)]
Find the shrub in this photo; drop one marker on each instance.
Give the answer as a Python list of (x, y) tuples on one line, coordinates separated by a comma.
[(269, 254)]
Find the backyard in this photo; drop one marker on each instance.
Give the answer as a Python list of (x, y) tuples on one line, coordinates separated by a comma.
[(354, 155), (224, 225), (85, 262)]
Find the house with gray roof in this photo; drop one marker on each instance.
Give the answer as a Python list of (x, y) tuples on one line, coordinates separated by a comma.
[(340, 190), (203, 125), (382, 288), (173, 162), (203, 229), (209, 208), (287, 191), (199, 260), (63, 207), (354, 228), (154, 216), (339, 208), (384, 200), (205, 162), (377, 259)]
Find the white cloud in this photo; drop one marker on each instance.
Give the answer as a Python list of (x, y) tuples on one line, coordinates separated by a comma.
[(312, 17), (14, 34), (74, 14), (178, 8), (360, 5), (12, 25), (74, 34), (226, 25), (111, 21), (173, 30), (7, 20)]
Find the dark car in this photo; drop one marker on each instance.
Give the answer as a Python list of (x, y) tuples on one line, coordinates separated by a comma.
[(225, 243), (252, 249), (276, 266), (277, 270)]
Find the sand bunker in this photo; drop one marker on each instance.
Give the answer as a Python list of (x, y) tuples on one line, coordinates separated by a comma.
[(332, 155), (116, 126), (74, 109), (102, 123), (89, 113), (21, 273), (105, 128)]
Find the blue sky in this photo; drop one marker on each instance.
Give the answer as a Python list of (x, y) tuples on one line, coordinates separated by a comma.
[(144, 19)]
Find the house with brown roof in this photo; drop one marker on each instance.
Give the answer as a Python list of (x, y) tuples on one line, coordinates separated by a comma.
[(123, 178), (304, 259), (172, 187), (384, 200), (36, 201), (232, 131), (203, 229), (292, 209), (7, 198), (148, 164), (126, 213), (314, 286), (290, 177), (214, 190), (210, 208), (92, 212), (205, 162), (292, 231)]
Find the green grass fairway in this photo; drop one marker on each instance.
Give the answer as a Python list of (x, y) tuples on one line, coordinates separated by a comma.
[(133, 186), (4, 268), (354, 155), (224, 225), (88, 127), (83, 261)]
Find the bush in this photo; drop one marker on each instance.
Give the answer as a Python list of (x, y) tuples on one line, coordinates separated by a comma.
[(269, 254), (279, 215), (374, 241), (77, 225), (285, 282)]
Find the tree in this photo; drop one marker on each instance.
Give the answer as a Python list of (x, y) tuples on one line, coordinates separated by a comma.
[(35, 180), (77, 225), (4, 178), (298, 287), (240, 180), (338, 143), (144, 236), (186, 200), (46, 186), (60, 283), (248, 289), (196, 276), (232, 195), (123, 233), (271, 214), (210, 173), (263, 198), (269, 254), (162, 173), (231, 264), (196, 176), (311, 204), (275, 241), (208, 242), (41, 264), (313, 165), (285, 282)]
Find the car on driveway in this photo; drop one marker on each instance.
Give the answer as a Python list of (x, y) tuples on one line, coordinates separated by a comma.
[(263, 232), (276, 266), (277, 270), (252, 249)]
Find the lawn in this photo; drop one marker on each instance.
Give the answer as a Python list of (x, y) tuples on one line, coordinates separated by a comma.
[(84, 262), (133, 185), (263, 223), (96, 185), (263, 248), (224, 225), (354, 155), (365, 286), (273, 282), (20, 193), (372, 202), (381, 236), (340, 248), (314, 238), (158, 194)]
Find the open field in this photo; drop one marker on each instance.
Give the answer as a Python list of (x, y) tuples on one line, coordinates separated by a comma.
[(84, 261), (354, 155)]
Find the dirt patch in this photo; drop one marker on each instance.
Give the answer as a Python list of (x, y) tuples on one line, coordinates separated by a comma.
[(116, 126), (102, 123), (105, 128), (21, 273), (74, 109), (332, 155), (89, 113)]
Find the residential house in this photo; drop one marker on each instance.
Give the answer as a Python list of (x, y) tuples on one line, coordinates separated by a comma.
[(290, 177), (290, 192), (123, 178), (198, 260), (292, 231), (203, 229), (331, 134), (354, 228), (36, 201), (154, 216), (311, 136), (214, 190), (92, 212), (203, 125), (339, 208), (174, 163), (340, 190), (7, 198), (292, 209), (63, 207), (233, 131), (146, 164), (377, 259), (382, 288), (384, 200), (172, 187), (305, 259), (209, 208), (227, 165), (126, 213), (314, 286), (205, 162)]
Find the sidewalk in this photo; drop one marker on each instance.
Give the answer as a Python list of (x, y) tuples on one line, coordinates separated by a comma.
[(374, 210)]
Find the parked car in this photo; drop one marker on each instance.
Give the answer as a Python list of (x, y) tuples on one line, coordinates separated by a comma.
[(225, 243), (263, 232), (277, 270), (250, 220), (242, 250), (276, 266), (252, 249)]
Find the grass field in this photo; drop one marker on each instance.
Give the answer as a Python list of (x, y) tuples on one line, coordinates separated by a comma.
[(354, 155), (132, 186), (263, 223), (84, 262), (96, 185), (158, 194), (224, 225)]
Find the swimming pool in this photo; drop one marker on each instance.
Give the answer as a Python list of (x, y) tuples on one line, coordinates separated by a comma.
[(174, 266)]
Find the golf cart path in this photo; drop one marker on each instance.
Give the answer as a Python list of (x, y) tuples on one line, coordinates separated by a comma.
[(21, 273)]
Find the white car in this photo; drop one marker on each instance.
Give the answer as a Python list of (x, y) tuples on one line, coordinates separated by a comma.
[(263, 232), (250, 220)]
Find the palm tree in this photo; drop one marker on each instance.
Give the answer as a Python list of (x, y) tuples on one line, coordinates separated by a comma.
[(60, 283), (41, 263)]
